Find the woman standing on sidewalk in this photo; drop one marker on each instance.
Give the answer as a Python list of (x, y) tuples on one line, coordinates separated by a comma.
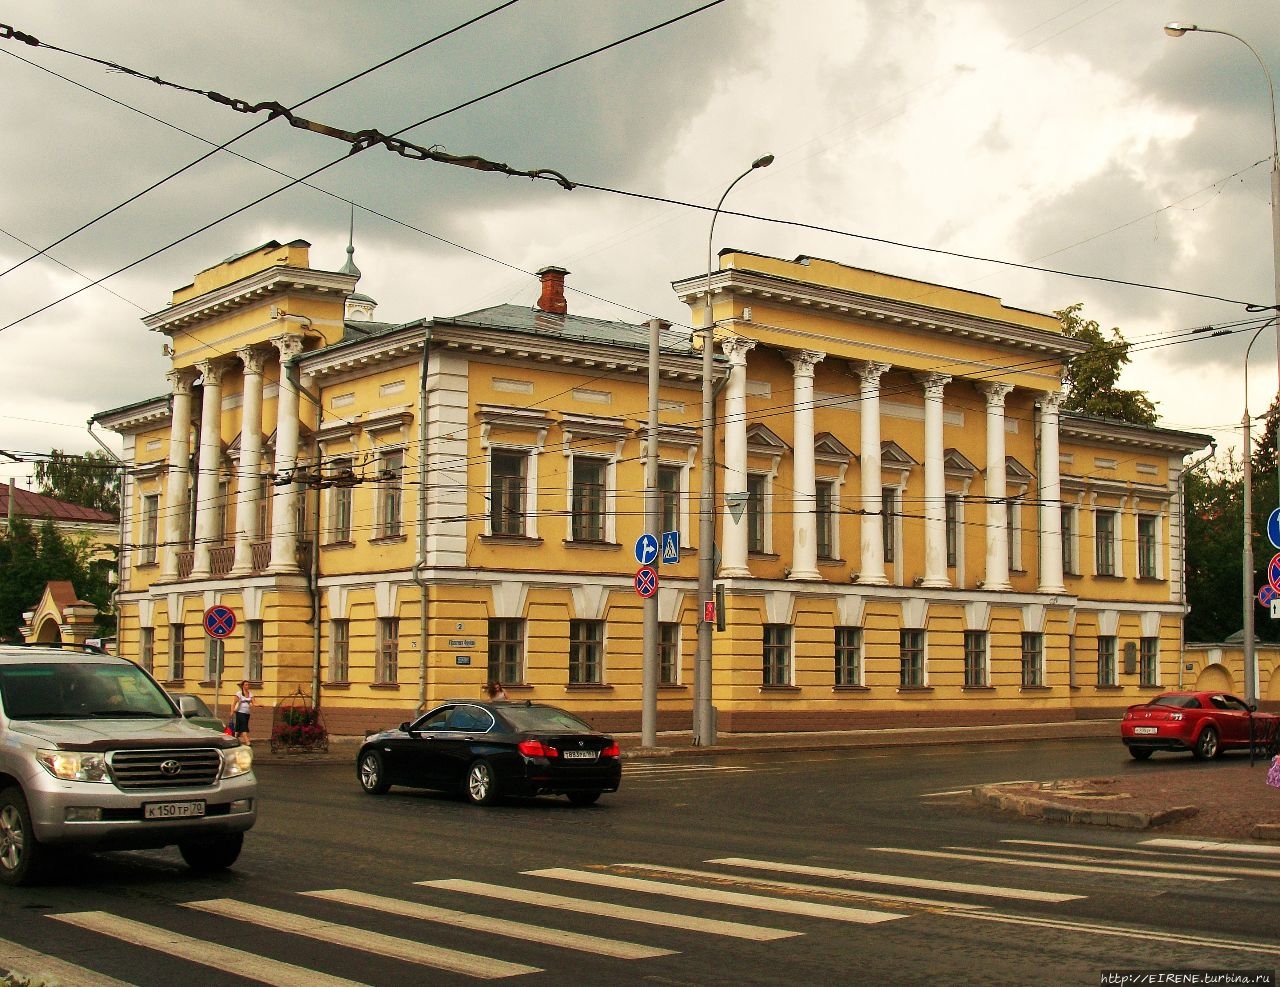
[(243, 704)]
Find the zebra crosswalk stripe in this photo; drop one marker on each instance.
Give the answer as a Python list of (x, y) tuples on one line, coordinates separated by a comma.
[(36, 967), (493, 926), (1011, 861), (471, 964), (839, 913), (247, 965)]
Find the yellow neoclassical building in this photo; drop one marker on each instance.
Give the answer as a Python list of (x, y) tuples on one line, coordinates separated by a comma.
[(398, 513)]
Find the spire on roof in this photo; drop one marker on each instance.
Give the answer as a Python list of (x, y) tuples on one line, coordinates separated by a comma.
[(350, 266)]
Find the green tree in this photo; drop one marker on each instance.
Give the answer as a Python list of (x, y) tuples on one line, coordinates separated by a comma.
[(31, 557), (1093, 377), (90, 480), (1214, 511)]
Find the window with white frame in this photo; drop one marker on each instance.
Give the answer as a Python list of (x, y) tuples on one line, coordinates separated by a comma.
[(254, 641), (1013, 518), (341, 498), (177, 652), (339, 650), (1070, 563), (147, 648), (975, 659), (757, 513), (1032, 659), (951, 508), (508, 483), (390, 494), (388, 670), (1148, 527), (911, 658), (1104, 542), (590, 499), (777, 654), (586, 652), (265, 492), (506, 650), (1149, 661), (1107, 659), (889, 522), (668, 653), (150, 528), (669, 497), (824, 505), (848, 653)]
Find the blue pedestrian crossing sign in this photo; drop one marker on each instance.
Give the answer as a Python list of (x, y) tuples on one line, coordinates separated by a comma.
[(670, 547), (646, 549)]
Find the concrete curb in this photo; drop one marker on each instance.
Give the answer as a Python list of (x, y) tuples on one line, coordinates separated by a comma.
[(1021, 798), (1266, 831)]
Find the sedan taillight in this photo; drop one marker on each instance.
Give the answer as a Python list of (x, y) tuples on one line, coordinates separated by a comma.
[(536, 748), (611, 751)]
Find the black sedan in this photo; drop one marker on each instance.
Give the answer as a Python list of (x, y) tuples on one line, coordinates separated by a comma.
[(488, 750)]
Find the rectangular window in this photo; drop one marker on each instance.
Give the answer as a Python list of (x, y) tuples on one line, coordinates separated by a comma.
[(1147, 547), (266, 491), (1032, 659), (506, 651), (1014, 535), (339, 650), (177, 665), (150, 528), (588, 521), (975, 659), (889, 522), (910, 658), (669, 498), (755, 513), (213, 664), (390, 495), (1107, 659), (388, 671), (1105, 542), (340, 501), (952, 506), (223, 512), (848, 656), (586, 652), (1069, 562), (254, 639), (147, 649), (1149, 661), (777, 654), (824, 503), (508, 477), (668, 653)]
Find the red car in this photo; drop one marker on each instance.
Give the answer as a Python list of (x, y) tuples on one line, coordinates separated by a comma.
[(1204, 723)]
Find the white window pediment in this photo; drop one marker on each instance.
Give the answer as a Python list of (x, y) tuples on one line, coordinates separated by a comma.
[(830, 450), (763, 441)]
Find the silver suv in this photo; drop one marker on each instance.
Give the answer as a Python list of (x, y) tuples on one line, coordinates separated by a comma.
[(95, 755)]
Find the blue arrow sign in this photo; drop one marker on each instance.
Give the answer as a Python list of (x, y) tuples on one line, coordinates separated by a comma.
[(646, 549), (670, 547), (1273, 528)]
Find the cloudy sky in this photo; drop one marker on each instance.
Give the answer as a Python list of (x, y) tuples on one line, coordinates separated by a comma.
[(1070, 135)]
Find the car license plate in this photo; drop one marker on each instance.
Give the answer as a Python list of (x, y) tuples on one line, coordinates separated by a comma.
[(172, 810), (1146, 729), (579, 755)]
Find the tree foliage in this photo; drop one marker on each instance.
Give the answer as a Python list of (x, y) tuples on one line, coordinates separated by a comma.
[(1093, 377), (90, 480), (31, 557)]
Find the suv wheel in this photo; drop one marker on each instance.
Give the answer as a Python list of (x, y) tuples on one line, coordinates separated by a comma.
[(206, 856), (22, 856)]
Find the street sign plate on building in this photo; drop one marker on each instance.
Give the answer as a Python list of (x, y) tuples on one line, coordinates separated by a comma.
[(219, 621)]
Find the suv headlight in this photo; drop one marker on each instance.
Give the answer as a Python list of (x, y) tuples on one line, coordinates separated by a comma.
[(237, 761), (75, 765)]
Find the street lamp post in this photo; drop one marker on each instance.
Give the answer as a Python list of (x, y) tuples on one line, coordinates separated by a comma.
[(1177, 30), (704, 733)]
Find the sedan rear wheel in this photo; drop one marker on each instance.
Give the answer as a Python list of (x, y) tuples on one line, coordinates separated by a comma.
[(1140, 753), (584, 798), (372, 773), (481, 787), (1207, 746)]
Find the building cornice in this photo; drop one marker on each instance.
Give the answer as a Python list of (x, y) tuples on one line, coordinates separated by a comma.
[(250, 290), (1106, 432), (135, 417)]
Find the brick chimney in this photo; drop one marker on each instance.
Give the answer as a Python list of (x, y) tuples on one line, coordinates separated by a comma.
[(552, 299)]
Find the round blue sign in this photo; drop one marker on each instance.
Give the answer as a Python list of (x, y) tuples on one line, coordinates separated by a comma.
[(646, 549), (219, 621), (1273, 528), (646, 581), (1266, 595)]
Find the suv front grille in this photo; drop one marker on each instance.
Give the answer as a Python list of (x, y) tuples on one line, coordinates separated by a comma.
[(190, 768)]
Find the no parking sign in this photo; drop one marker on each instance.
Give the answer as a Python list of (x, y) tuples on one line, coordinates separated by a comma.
[(219, 621)]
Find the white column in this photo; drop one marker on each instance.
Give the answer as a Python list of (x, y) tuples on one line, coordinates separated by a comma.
[(804, 497), (208, 503), (871, 563), (733, 553), (179, 478), (284, 519), (997, 571), (250, 462), (935, 484), (1050, 496)]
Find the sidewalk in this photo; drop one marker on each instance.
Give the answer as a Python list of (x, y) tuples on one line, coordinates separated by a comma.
[(1225, 799)]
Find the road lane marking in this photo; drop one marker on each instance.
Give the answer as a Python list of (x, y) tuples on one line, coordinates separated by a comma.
[(626, 913), (481, 967), (670, 769), (36, 966), (839, 913), (1213, 848), (1183, 868), (1214, 845), (250, 966), (828, 890), (893, 880), (948, 794), (1043, 864), (615, 948)]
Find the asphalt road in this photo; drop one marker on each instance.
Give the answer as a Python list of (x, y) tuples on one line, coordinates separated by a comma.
[(857, 866)]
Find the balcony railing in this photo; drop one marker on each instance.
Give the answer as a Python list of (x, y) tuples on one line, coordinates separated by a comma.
[(222, 559)]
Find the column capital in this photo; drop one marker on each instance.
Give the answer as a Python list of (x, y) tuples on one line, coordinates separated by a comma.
[(252, 358), (736, 348), (212, 369), (933, 383), (1052, 400), (804, 361), (180, 381), (996, 393), (289, 345), (870, 371)]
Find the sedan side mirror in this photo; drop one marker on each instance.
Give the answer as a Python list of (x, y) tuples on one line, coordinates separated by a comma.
[(405, 726)]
